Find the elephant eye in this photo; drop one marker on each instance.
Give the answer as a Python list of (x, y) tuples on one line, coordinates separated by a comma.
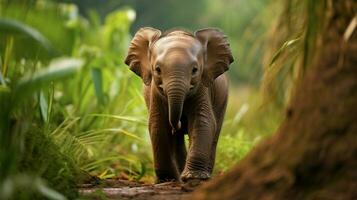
[(194, 70), (158, 70)]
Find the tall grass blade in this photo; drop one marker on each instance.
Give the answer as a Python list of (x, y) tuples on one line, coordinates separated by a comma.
[(98, 85), (96, 164), (2, 80), (8, 53), (119, 117), (283, 48), (43, 107)]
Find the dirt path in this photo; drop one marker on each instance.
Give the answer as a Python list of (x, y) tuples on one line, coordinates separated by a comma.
[(123, 189)]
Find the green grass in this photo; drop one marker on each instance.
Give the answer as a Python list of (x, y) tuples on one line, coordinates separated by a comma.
[(247, 121), (64, 117)]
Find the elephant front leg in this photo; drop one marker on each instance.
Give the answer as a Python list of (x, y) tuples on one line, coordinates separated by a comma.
[(163, 151), (201, 135), (180, 150)]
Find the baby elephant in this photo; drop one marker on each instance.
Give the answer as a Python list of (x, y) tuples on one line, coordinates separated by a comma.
[(186, 93)]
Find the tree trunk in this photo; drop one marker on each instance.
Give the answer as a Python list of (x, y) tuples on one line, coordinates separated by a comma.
[(313, 155)]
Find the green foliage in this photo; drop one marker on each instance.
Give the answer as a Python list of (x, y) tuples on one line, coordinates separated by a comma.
[(231, 149), (247, 121), (60, 116), (58, 169), (25, 147), (292, 46), (247, 24)]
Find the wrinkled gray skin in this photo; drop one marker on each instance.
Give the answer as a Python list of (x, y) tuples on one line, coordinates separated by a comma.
[(186, 93)]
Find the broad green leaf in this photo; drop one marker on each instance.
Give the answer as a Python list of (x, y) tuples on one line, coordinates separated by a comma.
[(16, 27), (57, 70)]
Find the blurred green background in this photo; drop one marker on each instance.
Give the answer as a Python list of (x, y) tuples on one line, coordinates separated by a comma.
[(71, 110)]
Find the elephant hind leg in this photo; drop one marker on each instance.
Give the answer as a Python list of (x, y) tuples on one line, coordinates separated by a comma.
[(219, 112)]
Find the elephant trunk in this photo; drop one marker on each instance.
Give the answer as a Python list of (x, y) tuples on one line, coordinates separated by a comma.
[(175, 96)]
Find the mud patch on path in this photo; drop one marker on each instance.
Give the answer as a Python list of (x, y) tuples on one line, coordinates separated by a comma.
[(123, 189)]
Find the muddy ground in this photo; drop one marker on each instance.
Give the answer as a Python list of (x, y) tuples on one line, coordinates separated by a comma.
[(124, 190)]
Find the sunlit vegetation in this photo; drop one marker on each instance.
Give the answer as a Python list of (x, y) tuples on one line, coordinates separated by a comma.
[(310, 67)]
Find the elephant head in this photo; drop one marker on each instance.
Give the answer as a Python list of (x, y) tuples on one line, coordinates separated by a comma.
[(178, 63)]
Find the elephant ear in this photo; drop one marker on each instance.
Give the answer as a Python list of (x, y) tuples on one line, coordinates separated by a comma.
[(138, 58), (218, 55)]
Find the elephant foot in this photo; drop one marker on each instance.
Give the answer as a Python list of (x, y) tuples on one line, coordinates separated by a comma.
[(163, 176), (158, 181), (200, 175), (191, 184)]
